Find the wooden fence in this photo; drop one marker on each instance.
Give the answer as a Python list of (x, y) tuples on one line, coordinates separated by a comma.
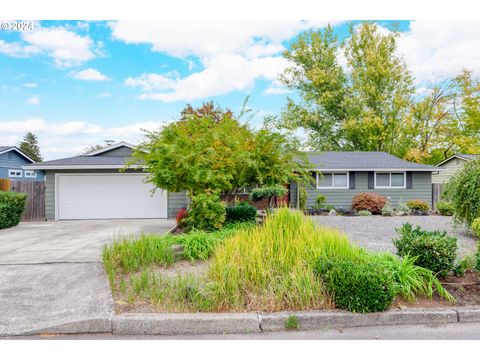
[(35, 208), (437, 190)]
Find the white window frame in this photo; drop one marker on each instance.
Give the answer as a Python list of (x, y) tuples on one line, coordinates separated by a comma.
[(333, 180), (390, 179), (10, 171), (32, 174)]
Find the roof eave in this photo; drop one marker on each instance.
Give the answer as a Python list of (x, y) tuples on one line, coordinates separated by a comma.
[(80, 167), (378, 170)]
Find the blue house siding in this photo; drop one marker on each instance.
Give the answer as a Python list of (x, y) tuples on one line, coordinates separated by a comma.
[(12, 160), (342, 198)]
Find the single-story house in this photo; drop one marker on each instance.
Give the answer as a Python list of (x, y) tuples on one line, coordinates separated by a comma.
[(12, 160), (91, 186), (451, 166), (344, 174)]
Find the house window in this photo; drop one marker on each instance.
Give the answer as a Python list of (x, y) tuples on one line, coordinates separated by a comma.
[(14, 173), (30, 174), (387, 180), (332, 181)]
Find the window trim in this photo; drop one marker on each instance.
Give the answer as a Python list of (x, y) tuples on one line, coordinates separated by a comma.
[(15, 170), (390, 180), (347, 173), (31, 174)]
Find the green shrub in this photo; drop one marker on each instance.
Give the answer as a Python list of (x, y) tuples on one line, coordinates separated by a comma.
[(463, 191), (434, 250), (387, 210), (302, 197), (270, 192), (357, 286), (467, 263), (417, 205), (364, 213), (207, 212), (369, 201), (444, 208), (12, 206), (241, 212), (402, 207), (476, 227), (477, 257), (320, 202)]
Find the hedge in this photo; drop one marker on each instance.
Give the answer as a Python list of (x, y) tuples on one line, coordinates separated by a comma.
[(12, 206)]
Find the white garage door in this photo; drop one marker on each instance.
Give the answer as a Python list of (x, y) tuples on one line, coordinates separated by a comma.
[(107, 196)]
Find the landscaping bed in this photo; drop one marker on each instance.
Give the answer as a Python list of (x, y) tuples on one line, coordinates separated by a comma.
[(289, 263)]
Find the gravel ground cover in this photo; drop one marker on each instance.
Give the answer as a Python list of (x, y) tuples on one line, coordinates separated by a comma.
[(376, 232)]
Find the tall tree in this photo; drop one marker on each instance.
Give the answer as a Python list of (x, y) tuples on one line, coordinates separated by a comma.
[(29, 146), (356, 105)]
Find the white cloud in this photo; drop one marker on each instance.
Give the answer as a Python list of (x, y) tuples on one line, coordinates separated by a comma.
[(66, 47), (70, 138), (222, 75), (90, 74), (30, 85), (233, 54), (34, 100)]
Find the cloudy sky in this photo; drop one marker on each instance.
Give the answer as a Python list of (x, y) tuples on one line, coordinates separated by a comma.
[(75, 84)]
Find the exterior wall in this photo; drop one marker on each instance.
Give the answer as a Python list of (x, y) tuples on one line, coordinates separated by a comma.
[(175, 200), (121, 151), (450, 168), (342, 198), (14, 161)]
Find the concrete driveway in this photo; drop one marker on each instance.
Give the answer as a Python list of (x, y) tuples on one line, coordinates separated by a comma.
[(68, 241), (51, 276)]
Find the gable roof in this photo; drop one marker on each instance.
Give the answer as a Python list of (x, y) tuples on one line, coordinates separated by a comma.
[(88, 161), (111, 147), (365, 161), (465, 157), (5, 149)]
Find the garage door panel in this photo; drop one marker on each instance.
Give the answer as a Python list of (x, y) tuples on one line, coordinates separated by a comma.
[(108, 196)]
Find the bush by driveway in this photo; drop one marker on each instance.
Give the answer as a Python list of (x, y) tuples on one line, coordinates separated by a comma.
[(376, 232)]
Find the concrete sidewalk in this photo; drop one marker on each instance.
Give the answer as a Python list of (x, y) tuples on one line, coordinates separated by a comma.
[(54, 298)]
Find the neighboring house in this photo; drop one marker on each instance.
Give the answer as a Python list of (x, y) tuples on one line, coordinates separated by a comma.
[(451, 166), (344, 174), (98, 185), (11, 162)]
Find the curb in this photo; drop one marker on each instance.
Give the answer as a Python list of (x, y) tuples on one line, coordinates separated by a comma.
[(234, 323), (191, 323)]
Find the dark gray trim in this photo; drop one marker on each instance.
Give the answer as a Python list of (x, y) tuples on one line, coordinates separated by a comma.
[(371, 180), (409, 180), (351, 181)]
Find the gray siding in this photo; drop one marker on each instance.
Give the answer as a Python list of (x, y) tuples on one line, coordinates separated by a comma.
[(175, 200), (14, 161), (342, 198), (121, 151), (450, 168)]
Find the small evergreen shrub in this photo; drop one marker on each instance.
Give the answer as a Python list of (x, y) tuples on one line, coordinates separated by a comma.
[(434, 250), (476, 227), (241, 212), (356, 285), (207, 212), (402, 207), (320, 202), (369, 201), (445, 208), (467, 263), (12, 206), (302, 197), (387, 210), (417, 205), (364, 213)]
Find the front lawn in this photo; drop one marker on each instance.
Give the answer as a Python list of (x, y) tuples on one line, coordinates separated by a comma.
[(288, 263)]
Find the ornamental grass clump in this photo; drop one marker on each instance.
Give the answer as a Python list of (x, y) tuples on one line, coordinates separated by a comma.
[(270, 268)]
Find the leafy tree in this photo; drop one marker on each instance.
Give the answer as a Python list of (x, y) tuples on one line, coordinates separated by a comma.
[(29, 146), (209, 151), (358, 106)]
